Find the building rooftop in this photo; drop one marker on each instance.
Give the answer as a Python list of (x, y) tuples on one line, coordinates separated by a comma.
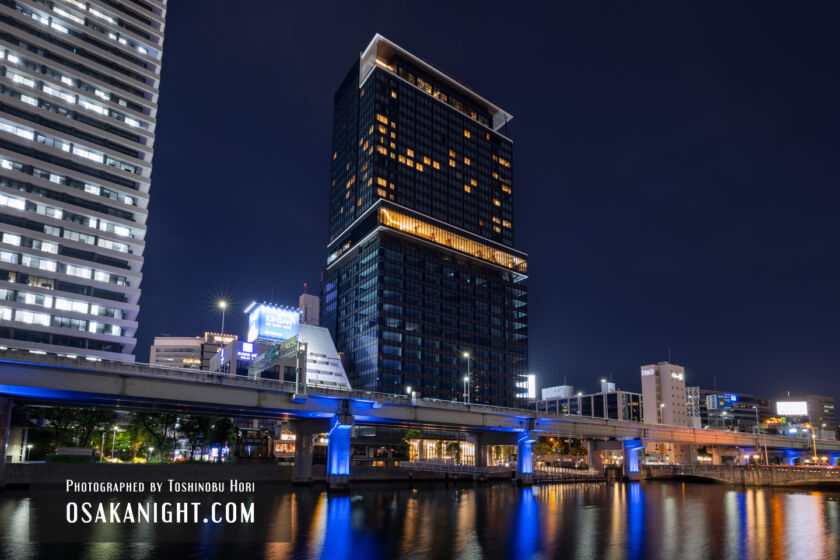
[(380, 50)]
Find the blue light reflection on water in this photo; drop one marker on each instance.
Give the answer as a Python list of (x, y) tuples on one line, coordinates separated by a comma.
[(502, 520), (635, 521), (526, 528)]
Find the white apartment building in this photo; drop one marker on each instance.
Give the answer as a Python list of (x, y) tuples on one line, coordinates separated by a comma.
[(79, 86), (663, 394)]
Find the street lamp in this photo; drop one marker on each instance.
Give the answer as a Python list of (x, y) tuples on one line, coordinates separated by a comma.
[(757, 428), (150, 453), (661, 413), (813, 437), (28, 451), (222, 305), (114, 437), (467, 379)]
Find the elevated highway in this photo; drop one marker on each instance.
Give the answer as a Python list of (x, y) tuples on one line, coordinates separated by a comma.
[(53, 379)]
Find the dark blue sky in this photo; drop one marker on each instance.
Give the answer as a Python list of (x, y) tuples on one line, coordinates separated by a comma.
[(676, 179)]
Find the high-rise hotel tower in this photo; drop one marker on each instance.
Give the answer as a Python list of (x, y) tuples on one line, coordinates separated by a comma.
[(423, 288), (78, 100)]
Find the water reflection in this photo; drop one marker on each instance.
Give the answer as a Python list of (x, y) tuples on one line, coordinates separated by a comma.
[(615, 521)]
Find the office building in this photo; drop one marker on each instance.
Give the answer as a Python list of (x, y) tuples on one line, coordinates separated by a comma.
[(819, 409), (610, 403), (692, 407), (310, 308), (558, 391), (664, 402), (176, 351), (663, 391), (321, 367), (739, 412), (78, 103), (423, 286), (192, 352)]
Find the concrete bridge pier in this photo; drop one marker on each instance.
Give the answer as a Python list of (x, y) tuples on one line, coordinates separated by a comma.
[(338, 452), (632, 449), (734, 455), (524, 459), (6, 406), (305, 430)]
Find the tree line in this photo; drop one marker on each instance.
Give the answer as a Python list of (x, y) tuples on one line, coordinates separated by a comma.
[(131, 435)]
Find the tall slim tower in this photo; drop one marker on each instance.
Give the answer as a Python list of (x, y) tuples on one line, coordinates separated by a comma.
[(78, 100), (423, 288)]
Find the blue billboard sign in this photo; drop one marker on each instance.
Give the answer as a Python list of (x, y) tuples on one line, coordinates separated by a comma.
[(721, 402), (272, 323)]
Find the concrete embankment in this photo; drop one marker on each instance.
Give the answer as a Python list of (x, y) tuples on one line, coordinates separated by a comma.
[(25, 474)]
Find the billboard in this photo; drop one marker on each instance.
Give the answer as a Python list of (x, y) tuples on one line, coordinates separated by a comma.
[(720, 402), (272, 323), (792, 408)]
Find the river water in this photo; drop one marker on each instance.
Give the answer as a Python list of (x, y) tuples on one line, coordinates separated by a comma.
[(649, 520)]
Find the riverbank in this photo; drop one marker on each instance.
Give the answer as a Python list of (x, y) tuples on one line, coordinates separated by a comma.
[(27, 474)]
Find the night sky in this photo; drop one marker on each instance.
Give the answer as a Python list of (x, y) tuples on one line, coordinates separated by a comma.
[(676, 180)]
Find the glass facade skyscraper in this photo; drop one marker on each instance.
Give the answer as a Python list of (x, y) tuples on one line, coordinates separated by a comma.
[(423, 286), (78, 101)]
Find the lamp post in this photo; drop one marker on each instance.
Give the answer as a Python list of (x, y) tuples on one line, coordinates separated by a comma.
[(661, 413), (764, 432), (813, 438), (102, 448), (28, 451), (150, 454), (113, 438), (222, 305), (467, 379)]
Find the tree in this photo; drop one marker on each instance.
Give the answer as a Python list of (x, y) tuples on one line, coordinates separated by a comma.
[(90, 421), (160, 428), (197, 431), (453, 448), (404, 446), (542, 446), (59, 426), (223, 433)]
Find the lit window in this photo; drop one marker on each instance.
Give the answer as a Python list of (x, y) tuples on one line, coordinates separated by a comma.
[(11, 239), (382, 150), (496, 202), (412, 226), (381, 182), (419, 167), (394, 94), (451, 163), (427, 161), (410, 152), (467, 161), (473, 182), (436, 165), (382, 118), (467, 188), (506, 189), (451, 153), (466, 134)]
